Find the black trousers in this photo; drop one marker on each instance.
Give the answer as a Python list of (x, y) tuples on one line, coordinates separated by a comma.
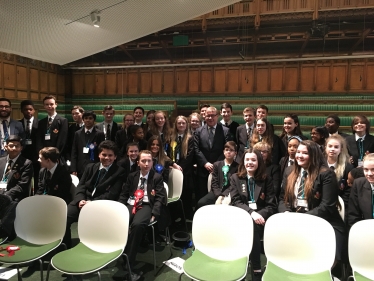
[(258, 232), (208, 199), (201, 188), (73, 214)]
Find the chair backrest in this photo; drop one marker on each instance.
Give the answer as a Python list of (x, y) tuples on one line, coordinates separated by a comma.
[(167, 192), (292, 242), (103, 225), (209, 182), (31, 186), (223, 232), (361, 248), (41, 219), (175, 183), (74, 180), (342, 208)]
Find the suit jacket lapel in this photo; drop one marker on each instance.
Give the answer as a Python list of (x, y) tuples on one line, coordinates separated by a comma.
[(2, 166), (258, 188), (367, 200), (12, 126), (150, 183)]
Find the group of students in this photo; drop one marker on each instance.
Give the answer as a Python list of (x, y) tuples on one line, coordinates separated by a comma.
[(251, 167)]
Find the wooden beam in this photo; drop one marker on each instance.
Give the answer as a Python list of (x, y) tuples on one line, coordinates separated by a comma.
[(306, 41), (359, 41), (164, 46), (124, 49)]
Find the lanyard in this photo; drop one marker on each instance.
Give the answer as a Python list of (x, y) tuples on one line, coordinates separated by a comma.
[(251, 190)]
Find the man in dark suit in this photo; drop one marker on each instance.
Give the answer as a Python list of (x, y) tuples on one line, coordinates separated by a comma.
[(332, 124), (54, 179), (129, 163), (77, 113), (244, 132), (209, 142), (221, 177), (85, 145), (52, 130), (100, 181), (8, 126), (108, 126), (143, 194), (16, 171)]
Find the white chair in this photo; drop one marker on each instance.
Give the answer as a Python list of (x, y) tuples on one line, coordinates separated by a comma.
[(209, 182), (103, 231), (75, 180), (175, 184), (222, 241), (361, 250), (342, 208), (40, 225), (294, 250)]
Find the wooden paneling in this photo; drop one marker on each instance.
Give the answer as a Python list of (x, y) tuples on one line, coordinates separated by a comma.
[(52, 82), (276, 79), (60, 84), (122, 83), (9, 76), (369, 77), (110, 83), (339, 78), (233, 80), (10, 94), (22, 95), (290, 79), (34, 79), (78, 83), (43, 81), (246, 80), (145, 82), (133, 82), (99, 83), (323, 78), (262, 79), (193, 81), (34, 96), (307, 78), (156, 77), (21, 77), (182, 77), (89, 84), (206, 80), (168, 82), (356, 77), (220, 80)]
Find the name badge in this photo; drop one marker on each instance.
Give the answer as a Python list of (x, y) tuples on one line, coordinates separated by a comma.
[(177, 156), (131, 200), (252, 205), (47, 137), (86, 149), (28, 142), (302, 203), (360, 163), (3, 185)]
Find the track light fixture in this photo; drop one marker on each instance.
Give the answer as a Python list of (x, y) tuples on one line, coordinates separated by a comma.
[(95, 18)]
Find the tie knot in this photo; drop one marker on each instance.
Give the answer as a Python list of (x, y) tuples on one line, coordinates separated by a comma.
[(291, 162), (360, 139), (226, 124), (250, 181), (142, 180), (10, 162), (305, 174), (179, 138), (4, 122), (108, 126), (28, 121), (332, 168), (88, 132)]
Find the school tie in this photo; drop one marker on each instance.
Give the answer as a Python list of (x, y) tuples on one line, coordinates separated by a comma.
[(162, 138), (179, 143), (5, 130), (250, 190), (227, 124), (47, 181), (108, 132), (9, 167), (28, 129), (142, 182), (249, 133), (301, 193), (291, 162), (211, 136), (332, 168)]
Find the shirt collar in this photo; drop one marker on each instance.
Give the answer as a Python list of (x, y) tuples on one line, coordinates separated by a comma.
[(14, 159), (180, 136), (357, 137), (224, 123), (7, 119), (106, 124), (146, 176), (53, 169), (53, 116), (106, 168), (31, 120), (86, 130), (247, 127)]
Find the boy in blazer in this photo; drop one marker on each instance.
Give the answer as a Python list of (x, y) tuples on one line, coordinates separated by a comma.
[(54, 179), (85, 145), (220, 183), (244, 132), (148, 181), (100, 181), (52, 130), (108, 126), (77, 114), (16, 171)]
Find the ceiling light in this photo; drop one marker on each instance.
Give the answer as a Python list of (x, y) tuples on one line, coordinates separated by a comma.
[(95, 18)]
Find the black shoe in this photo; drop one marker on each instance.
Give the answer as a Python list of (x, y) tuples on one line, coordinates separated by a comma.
[(257, 276), (135, 276)]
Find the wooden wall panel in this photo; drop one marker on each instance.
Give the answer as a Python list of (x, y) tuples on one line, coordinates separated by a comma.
[(220, 80), (323, 78), (89, 83), (276, 78), (206, 80), (21, 77), (34, 96), (122, 82), (156, 87), (246, 80), (169, 82), (262, 79), (233, 80), (34, 79), (43, 81), (145, 82), (10, 94), (52, 82), (78, 83), (133, 82), (110, 84), (181, 81), (369, 77), (193, 81), (339, 78), (9, 76), (307, 78), (290, 79), (356, 77), (99, 83), (21, 95)]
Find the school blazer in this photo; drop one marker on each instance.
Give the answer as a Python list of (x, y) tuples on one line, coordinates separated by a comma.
[(125, 164), (353, 148), (360, 205), (218, 179), (241, 141), (155, 190), (186, 162), (59, 133), (113, 130), (264, 195), (323, 203), (29, 151)]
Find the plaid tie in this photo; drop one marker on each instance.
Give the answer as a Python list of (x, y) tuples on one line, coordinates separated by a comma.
[(211, 137), (301, 194)]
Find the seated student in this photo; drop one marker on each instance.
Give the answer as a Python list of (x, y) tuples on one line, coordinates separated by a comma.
[(252, 190), (137, 136), (361, 142), (291, 127), (144, 195), (16, 170), (309, 186), (319, 135), (124, 134), (354, 174), (100, 181), (54, 179), (360, 205), (332, 124), (289, 160), (272, 170), (222, 172), (85, 144), (226, 112), (129, 162), (161, 163), (244, 132)]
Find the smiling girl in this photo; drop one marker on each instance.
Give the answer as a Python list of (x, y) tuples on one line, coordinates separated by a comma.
[(291, 127)]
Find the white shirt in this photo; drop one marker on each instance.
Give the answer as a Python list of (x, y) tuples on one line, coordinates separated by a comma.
[(52, 117), (224, 123), (90, 130), (53, 169), (30, 125), (106, 126), (357, 137), (2, 131), (297, 185)]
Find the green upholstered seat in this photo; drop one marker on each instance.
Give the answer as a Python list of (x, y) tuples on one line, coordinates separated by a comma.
[(359, 277)]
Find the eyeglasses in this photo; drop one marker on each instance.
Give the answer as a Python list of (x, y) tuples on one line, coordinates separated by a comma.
[(5, 106), (129, 120), (211, 115), (264, 151)]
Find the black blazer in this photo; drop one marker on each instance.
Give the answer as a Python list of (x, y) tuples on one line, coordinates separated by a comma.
[(19, 178), (125, 164), (69, 145), (59, 185), (232, 127), (273, 171), (121, 139), (278, 151), (323, 203), (264, 195), (113, 131), (186, 162), (353, 147), (360, 205), (155, 190), (218, 188), (108, 189), (241, 141), (344, 189), (30, 151), (206, 154), (79, 160), (58, 131)]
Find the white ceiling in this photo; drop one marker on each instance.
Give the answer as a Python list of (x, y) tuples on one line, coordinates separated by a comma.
[(39, 29)]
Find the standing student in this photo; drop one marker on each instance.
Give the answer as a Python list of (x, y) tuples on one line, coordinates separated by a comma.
[(108, 126), (160, 127), (319, 135), (195, 122), (226, 112), (291, 127), (53, 129), (54, 179), (161, 162), (262, 111), (77, 113), (244, 132), (361, 142), (289, 159), (332, 124), (309, 186), (203, 108), (124, 134), (138, 113), (149, 118), (137, 136), (253, 191), (85, 144)]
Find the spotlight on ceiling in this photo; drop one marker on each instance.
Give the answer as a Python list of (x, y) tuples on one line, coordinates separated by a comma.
[(95, 18)]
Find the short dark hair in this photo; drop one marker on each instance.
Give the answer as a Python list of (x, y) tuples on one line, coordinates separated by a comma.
[(108, 107), (88, 113), (26, 102), (361, 119), (7, 100), (138, 107), (322, 130), (262, 107), (204, 105), (49, 97), (226, 105), (231, 145), (108, 144), (14, 138), (335, 117), (131, 144), (51, 153), (134, 128), (75, 107)]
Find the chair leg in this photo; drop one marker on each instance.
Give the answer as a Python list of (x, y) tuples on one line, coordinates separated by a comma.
[(99, 275), (19, 274), (41, 269), (154, 249), (128, 266), (184, 216), (48, 269)]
